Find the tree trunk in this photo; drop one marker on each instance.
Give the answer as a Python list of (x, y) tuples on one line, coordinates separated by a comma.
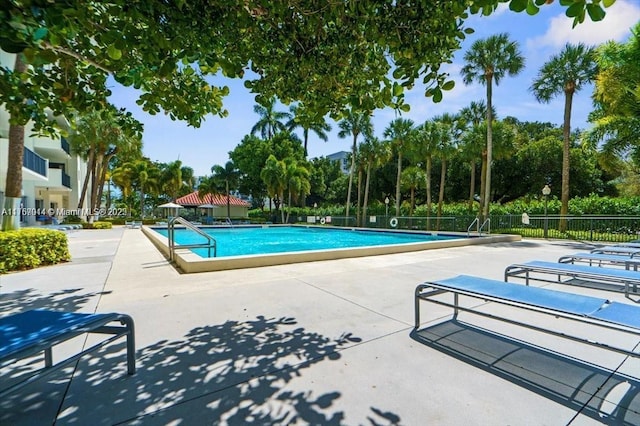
[(472, 184), (487, 192), (428, 183), (483, 184), (366, 194), (358, 205), (15, 158), (564, 208), (281, 195), (413, 200), (141, 201), (398, 182), (351, 170), (228, 200), (90, 164), (443, 172)]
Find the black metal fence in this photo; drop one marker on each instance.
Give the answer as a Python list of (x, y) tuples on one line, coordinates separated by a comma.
[(584, 228)]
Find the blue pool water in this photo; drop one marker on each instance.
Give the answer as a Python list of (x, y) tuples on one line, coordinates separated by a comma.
[(268, 240)]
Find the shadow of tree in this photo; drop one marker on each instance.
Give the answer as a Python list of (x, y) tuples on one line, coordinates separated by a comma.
[(231, 373), (592, 391), (69, 300)]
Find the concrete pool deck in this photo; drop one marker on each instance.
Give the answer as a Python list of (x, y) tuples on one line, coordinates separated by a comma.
[(324, 342)]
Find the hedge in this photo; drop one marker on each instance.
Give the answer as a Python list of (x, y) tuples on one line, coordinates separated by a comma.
[(30, 248), (97, 225)]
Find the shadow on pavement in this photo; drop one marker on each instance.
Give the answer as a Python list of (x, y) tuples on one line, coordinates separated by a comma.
[(585, 388)]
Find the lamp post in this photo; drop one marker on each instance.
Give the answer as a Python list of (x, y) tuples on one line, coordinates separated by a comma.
[(546, 191), (386, 208), (315, 212)]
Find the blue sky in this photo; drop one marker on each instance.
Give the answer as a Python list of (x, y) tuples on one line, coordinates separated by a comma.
[(539, 36)]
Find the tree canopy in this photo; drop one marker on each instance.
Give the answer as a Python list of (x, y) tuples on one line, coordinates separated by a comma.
[(328, 55)]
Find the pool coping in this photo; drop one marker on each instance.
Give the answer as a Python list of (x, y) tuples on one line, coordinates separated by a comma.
[(189, 262)]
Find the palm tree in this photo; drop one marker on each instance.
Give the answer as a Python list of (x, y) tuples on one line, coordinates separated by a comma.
[(398, 132), (172, 179), (145, 175), (487, 61), (274, 175), (448, 133), (566, 72), (302, 118), (229, 175), (373, 152), (472, 143), (297, 181), (270, 121), (423, 145), (411, 179), (355, 124)]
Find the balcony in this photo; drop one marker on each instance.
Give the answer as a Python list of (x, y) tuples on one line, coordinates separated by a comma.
[(34, 162), (53, 149), (59, 180)]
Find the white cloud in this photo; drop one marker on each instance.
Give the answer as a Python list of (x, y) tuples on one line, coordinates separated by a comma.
[(621, 16)]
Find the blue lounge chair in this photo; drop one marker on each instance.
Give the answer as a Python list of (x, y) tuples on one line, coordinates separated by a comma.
[(591, 311), (617, 277), (627, 251), (32, 332), (601, 259)]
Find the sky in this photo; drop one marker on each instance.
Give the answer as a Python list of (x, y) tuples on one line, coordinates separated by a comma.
[(539, 37)]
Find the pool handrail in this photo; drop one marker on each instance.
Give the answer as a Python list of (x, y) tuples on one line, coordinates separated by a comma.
[(211, 241)]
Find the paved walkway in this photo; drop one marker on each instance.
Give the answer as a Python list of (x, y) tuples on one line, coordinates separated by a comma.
[(314, 343)]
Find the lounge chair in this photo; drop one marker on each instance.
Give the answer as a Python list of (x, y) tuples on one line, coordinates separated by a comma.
[(594, 274), (592, 311), (602, 259), (628, 251), (32, 332)]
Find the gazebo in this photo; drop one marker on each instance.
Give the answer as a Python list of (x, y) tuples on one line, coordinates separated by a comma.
[(216, 204)]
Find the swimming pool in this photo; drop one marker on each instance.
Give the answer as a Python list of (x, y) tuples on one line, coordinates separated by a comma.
[(394, 242), (269, 240)]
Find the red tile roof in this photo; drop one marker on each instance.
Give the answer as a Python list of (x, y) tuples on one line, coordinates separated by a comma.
[(194, 200)]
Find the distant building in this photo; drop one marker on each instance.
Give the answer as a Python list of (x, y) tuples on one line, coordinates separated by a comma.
[(342, 157)]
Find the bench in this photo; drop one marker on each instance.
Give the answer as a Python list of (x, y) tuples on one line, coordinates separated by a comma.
[(33, 332), (587, 310), (133, 224), (597, 274), (600, 259)]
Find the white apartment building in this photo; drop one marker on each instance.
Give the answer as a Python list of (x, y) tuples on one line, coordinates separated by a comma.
[(52, 176)]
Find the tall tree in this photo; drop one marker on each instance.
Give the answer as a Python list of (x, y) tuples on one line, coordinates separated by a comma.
[(98, 138), (304, 119), (398, 132), (228, 175), (617, 99), (271, 121), (488, 61), (471, 148), (373, 152), (447, 146), (274, 175), (354, 124), (566, 73), (297, 182), (423, 145)]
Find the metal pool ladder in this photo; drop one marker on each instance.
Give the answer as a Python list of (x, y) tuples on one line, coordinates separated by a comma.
[(479, 227), (211, 242)]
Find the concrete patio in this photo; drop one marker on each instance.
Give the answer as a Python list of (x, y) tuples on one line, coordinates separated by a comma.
[(317, 343)]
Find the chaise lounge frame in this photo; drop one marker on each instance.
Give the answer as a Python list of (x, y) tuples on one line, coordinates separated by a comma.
[(572, 307), (629, 263), (32, 332), (590, 273)]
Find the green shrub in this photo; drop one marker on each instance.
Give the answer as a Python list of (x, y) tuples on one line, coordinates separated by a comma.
[(72, 219), (97, 225), (30, 248)]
